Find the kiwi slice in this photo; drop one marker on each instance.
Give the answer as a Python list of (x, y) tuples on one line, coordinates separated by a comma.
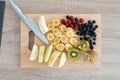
[(88, 58), (74, 54), (84, 45)]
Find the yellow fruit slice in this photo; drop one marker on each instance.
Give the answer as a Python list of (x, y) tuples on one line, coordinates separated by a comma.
[(70, 34), (62, 60), (41, 54), (50, 26), (68, 47), (56, 31), (42, 24), (48, 53), (56, 22), (60, 46), (53, 58), (73, 41), (64, 38), (69, 29), (50, 36), (56, 41), (62, 28), (34, 53)]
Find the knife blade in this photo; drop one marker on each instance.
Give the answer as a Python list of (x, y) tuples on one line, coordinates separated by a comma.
[(29, 21)]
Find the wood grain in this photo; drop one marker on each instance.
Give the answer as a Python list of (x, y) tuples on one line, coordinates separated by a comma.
[(10, 50)]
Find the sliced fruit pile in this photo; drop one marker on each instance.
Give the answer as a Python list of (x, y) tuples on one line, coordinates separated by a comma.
[(47, 55), (87, 33), (60, 36), (86, 30)]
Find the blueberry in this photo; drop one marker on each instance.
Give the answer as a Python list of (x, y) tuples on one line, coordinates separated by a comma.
[(94, 43), (76, 19), (91, 47), (94, 29), (81, 34), (78, 33), (67, 17), (95, 35), (81, 38), (94, 39), (91, 35), (93, 21), (96, 26), (89, 21)]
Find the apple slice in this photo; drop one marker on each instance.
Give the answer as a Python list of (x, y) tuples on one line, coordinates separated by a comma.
[(48, 53), (62, 60), (41, 54), (53, 58), (34, 53)]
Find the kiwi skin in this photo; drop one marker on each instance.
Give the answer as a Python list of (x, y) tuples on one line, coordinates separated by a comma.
[(93, 54), (74, 50)]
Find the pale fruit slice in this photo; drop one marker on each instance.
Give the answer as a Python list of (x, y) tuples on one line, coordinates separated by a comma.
[(73, 41), (64, 39), (56, 41), (48, 53), (50, 36), (41, 54), (62, 60), (70, 34), (53, 58), (69, 29), (34, 53), (60, 46), (56, 22), (56, 31), (50, 26), (68, 47), (62, 28), (42, 25)]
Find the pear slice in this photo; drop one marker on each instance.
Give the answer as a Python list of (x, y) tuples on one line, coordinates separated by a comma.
[(34, 53), (62, 60), (53, 58), (48, 53), (41, 53)]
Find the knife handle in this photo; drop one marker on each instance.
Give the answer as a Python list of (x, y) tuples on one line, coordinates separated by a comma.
[(16, 9)]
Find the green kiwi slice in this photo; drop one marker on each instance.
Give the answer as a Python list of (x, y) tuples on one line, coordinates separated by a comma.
[(84, 45), (74, 54), (88, 58)]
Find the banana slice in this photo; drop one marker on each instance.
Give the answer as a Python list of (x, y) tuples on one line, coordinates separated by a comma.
[(64, 39), (60, 46), (42, 25), (73, 41), (53, 58), (50, 36), (56, 41), (62, 28), (41, 54), (56, 31), (62, 60), (48, 53), (68, 47), (70, 34), (50, 26), (34, 53), (69, 29), (56, 22)]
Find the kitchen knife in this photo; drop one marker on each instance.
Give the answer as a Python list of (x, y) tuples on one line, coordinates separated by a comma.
[(2, 9), (29, 22)]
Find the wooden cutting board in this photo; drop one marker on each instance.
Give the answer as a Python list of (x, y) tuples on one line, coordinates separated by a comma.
[(26, 40)]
